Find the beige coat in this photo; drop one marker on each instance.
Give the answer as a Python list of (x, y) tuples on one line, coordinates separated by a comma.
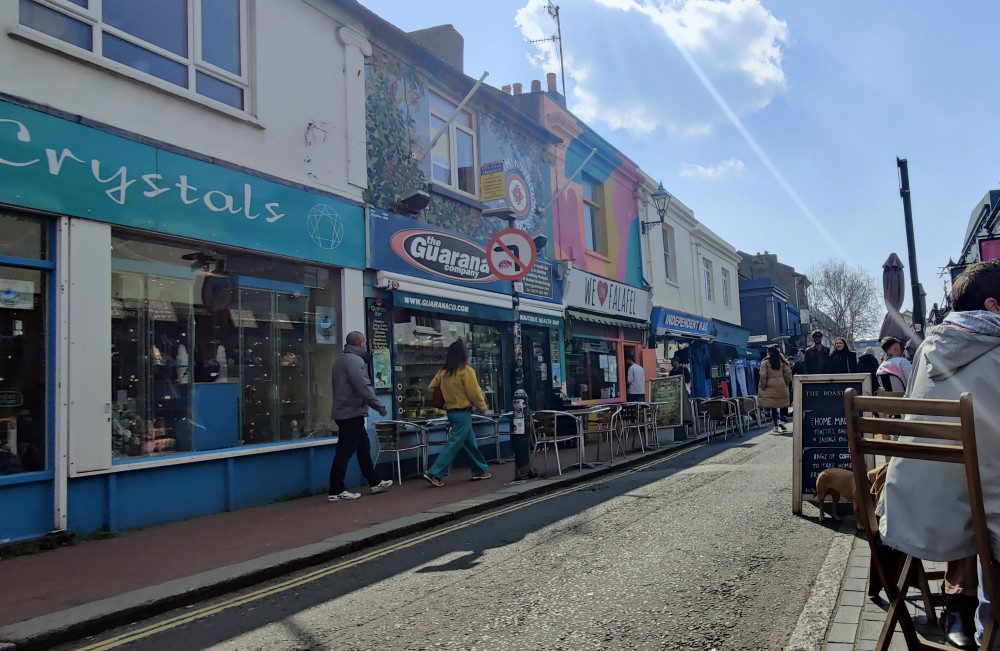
[(772, 390)]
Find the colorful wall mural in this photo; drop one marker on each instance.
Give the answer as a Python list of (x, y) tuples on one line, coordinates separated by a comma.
[(399, 131), (617, 178)]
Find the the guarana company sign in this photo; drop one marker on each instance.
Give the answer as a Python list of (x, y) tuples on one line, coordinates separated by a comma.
[(443, 254)]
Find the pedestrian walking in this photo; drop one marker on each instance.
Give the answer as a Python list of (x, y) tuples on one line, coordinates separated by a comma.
[(461, 392), (842, 358), (772, 389), (635, 380), (352, 396)]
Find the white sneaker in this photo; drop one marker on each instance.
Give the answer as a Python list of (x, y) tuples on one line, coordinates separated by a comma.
[(346, 495), (383, 485)]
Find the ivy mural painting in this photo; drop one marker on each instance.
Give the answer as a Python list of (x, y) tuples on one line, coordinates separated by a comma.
[(398, 130)]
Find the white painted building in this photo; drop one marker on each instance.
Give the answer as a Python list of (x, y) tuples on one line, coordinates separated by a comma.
[(182, 233), (695, 287)]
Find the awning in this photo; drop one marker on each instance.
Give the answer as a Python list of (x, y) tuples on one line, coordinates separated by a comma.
[(604, 320), (728, 333), (679, 324)]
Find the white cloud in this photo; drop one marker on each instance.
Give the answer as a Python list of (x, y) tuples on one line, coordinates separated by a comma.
[(732, 166), (631, 61)]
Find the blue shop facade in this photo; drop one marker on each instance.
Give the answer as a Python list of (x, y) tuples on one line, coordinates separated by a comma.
[(167, 325)]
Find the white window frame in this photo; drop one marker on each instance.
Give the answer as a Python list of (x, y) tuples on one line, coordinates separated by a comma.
[(706, 279), (92, 15), (597, 203), (668, 249), (725, 287), (452, 136)]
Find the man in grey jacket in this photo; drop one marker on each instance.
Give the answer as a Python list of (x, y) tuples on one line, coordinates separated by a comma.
[(352, 396)]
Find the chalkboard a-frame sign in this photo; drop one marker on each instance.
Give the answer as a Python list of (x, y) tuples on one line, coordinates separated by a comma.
[(820, 429)]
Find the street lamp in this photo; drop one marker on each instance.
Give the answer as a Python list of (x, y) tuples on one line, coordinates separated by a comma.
[(661, 200)]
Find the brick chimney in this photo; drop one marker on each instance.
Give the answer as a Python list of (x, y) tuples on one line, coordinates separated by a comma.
[(536, 86), (517, 89), (506, 89), (550, 79)]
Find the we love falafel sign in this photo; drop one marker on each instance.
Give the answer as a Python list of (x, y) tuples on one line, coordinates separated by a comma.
[(607, 296)]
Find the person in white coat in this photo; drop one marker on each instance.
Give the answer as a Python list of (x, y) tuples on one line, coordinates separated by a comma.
[(960, 355)]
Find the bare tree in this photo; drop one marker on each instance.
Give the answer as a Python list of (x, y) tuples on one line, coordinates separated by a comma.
[(848, 296)]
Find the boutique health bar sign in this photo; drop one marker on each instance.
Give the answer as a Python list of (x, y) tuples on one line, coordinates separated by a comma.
[(56, 165)]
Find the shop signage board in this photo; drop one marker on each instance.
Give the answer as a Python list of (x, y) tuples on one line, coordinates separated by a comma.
[(672, 322), (60, 166), (538, 281), (379, 321), (820, 429), (449, 306), (666, 392), (527, 318), (598, 294), (407, 246), (511, 254)]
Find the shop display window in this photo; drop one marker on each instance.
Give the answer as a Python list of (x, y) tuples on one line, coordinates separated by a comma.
[(421, 346), (214, 349), (23, 345), (591, 369)]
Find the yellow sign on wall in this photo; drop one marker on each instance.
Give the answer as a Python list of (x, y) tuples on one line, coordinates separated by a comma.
[(491, 181)]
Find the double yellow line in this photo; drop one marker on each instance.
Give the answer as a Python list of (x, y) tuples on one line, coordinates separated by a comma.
[(208, 611)]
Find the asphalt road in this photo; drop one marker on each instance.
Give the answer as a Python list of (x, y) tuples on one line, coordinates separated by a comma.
[(699, 551)]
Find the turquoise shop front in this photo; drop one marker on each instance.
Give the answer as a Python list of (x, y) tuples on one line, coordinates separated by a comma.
[(184, 369)]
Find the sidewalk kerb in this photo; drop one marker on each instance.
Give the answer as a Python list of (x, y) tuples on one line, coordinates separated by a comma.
[(810, 631)]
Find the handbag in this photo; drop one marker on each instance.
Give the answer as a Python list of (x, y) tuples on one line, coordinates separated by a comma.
[(437, 400)]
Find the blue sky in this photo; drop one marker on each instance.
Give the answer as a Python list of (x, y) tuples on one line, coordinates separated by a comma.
[(777, 121)]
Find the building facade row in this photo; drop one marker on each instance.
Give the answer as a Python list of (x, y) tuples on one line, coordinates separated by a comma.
[(195, 209)]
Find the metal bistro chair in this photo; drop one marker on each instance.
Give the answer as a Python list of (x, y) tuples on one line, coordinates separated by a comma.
[(637, 417), (721, 411), (895, 571), (604, 422), (551, 427), (750, 411), (396, 436), (699, 414)]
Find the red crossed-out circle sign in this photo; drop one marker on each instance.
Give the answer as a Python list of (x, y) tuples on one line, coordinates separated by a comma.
[(511, 254)]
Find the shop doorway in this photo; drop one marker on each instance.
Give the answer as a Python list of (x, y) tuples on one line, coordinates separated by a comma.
[(537, 368)]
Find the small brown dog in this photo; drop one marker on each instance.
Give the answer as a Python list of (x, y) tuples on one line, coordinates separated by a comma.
[(838, 482)]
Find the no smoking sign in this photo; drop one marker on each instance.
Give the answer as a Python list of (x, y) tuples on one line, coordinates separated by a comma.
[(511, 254)]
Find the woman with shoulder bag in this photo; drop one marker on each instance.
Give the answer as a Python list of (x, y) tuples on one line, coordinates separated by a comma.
[(460, 389), (772, 390)]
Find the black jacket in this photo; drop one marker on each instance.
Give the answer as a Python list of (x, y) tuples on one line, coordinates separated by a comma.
[(868, 364), (844, 361), (817, 361)]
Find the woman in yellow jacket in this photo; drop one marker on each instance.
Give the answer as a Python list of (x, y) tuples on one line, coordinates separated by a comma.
[(461, 393)]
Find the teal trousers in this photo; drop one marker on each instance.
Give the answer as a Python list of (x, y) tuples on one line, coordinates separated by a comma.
[(461, 438)]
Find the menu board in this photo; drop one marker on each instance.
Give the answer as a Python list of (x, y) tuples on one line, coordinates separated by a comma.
[(820, 429), (379, 334), (666, 392)]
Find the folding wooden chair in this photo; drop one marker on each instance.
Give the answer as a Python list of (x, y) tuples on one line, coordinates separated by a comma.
[(959, 446)]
